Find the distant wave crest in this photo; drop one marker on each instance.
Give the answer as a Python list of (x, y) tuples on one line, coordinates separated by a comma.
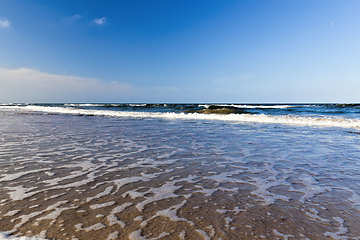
[(251, 118)]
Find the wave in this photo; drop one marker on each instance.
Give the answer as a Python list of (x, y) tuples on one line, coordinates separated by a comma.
[(137, 105), (12, 104), (262, 106), (83, 105), (250, 118), (112, 105), (251, 106)]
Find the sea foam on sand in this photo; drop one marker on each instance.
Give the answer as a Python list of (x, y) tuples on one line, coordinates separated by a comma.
[(4, 236)]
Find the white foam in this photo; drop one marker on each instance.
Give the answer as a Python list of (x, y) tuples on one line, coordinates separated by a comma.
[(25, 218), (90, 178), (258, 106), (228, 220), (78, 227), (55, 196), (163, 192), (13, 176), (250, 106), (42, 234), (312, 188), (4, 236), (138, 218), (123, 181), (113, 235), (136, 235), (137, 105), (170, 213), (107, 204), (263, 192), (284, 236), (182, 235), (221, 210), (252, 118), (203, 234), (95, 227), (83, 105), (20, 193), (112, 219), (355, 198), (237, 210), (212, 230), (314, 215), (11, 213), (50, 174), (104, 193), (341, 230), (87, 168), (55, 213)]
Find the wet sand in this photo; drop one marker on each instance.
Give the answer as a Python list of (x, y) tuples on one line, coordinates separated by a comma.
[(83, 177)]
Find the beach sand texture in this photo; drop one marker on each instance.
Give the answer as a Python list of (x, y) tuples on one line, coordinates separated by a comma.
[(85, 177)]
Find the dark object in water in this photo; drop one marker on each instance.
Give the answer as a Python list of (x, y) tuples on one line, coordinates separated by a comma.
[(353, 132), (217, 111), (214, 109)]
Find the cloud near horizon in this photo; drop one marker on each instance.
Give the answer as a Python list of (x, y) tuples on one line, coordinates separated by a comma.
[(29, 85), (26, 85)]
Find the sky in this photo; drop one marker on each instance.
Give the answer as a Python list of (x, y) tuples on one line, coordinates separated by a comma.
[(244, 51)]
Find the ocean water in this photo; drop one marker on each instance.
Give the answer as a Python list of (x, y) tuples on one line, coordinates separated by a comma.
[(169, 171)]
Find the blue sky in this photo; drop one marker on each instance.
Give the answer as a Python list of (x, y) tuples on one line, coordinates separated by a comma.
[(180, 51)]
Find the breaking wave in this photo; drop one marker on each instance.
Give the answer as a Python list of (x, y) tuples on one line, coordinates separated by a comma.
[(252, 106), (249, 118)]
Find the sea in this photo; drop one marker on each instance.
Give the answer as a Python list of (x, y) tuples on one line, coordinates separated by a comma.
[(179, 171)]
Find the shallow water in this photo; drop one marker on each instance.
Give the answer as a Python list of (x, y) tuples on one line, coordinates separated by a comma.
[(98, 177)]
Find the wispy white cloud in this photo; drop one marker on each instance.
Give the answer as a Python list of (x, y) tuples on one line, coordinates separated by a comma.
[(71, 19), (4, 23), (100, 21), (29, 85)]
